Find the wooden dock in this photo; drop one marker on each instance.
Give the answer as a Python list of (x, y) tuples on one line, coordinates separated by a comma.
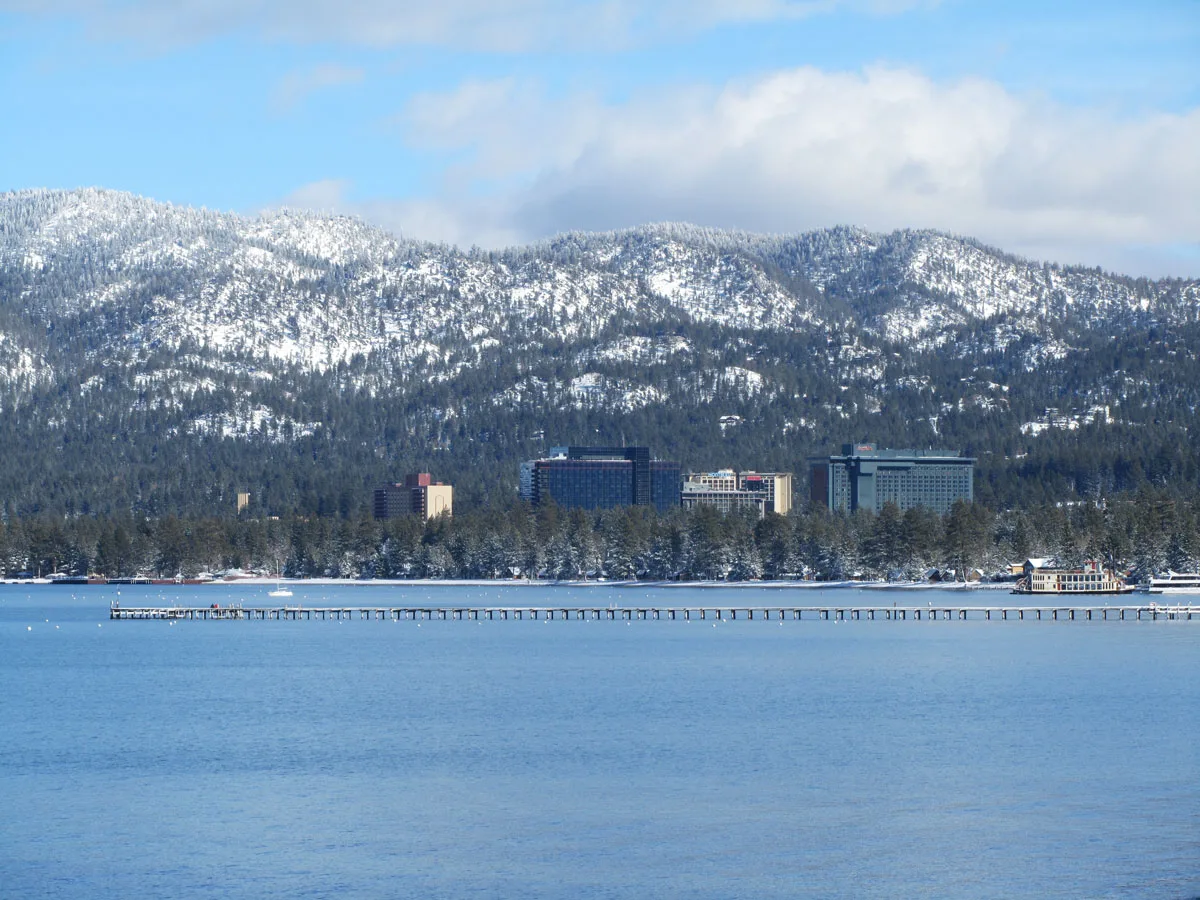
[(847, 613)]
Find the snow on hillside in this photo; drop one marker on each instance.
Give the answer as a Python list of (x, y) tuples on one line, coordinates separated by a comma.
[(319, 294)]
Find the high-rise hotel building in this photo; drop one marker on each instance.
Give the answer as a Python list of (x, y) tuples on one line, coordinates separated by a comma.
[(866, 478), (419, 495), (601, 478)]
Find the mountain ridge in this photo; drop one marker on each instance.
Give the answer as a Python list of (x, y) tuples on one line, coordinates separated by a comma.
[(219, 333)]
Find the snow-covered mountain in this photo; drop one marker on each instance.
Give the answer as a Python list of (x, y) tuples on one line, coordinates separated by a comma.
[(315, 291), (224, 326)]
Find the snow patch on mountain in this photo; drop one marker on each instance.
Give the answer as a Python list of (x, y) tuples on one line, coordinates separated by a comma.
[(252, 421), (594, 389), (641, 350), (19, 366)]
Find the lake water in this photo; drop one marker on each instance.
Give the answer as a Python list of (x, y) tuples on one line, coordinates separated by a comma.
[(651, 759)]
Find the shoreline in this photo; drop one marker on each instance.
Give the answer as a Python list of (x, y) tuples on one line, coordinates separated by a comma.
[(531, 583)]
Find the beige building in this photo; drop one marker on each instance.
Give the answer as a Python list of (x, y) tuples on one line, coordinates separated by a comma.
[(776, 485), (419, 495), (433, 500), (726, 501), (729, 490), (720, 480)]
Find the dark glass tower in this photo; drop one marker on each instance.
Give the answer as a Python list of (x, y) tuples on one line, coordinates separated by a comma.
[(604, 477)]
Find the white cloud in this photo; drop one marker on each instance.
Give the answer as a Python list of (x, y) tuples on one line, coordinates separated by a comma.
[(436, 220), (328, 196), (802, 148), (295, 86), (504, 25)]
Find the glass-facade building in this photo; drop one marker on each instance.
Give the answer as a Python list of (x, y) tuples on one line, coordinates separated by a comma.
[(601, 478), (866, 478), (665, 478)]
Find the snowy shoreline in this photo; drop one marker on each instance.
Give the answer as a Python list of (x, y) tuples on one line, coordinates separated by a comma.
[(526, 583)]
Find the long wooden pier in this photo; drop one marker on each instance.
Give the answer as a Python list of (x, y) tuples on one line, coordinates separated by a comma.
[(846, 613)]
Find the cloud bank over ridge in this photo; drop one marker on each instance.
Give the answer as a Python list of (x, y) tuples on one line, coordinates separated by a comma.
[(495, 122), (802, 148)]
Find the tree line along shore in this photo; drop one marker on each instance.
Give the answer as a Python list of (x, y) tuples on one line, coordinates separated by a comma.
[(1144, 533)]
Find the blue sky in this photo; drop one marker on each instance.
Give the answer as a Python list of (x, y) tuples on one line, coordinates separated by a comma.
[(1068, 131)]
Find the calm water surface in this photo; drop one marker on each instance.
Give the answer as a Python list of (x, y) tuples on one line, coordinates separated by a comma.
[(590, 759)]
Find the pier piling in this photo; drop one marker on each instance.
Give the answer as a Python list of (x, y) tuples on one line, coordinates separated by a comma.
[(1127, 612)]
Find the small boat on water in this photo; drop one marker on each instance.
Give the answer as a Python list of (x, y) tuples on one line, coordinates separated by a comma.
[(1175, 583), (59, 578), (280, 591)]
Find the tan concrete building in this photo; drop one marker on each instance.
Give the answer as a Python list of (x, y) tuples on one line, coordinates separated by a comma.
[(720, 480), (418, 495), (776, 485), (694, 494), (728, 490), (433, 500)]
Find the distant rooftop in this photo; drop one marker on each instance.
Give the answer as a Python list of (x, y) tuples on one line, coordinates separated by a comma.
[(870, 451)]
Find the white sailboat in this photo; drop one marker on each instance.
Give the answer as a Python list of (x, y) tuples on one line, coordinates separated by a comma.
[(280, 591)]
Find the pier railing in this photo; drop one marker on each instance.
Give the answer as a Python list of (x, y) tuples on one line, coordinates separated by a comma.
[(839, 613)]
